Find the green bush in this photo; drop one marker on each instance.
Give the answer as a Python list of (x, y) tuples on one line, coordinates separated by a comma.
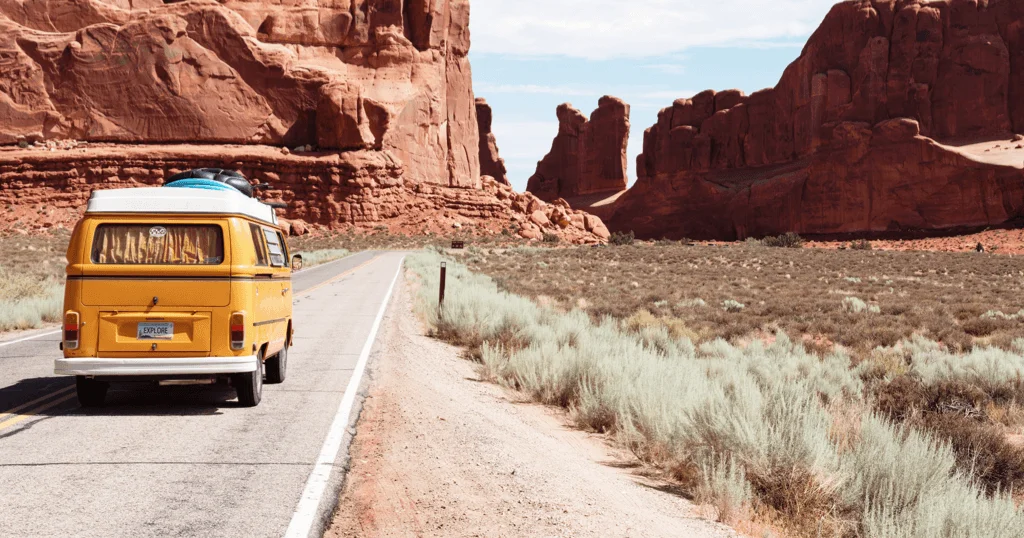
[(855, 305), (551, 238), (787, 240), (622, 238)]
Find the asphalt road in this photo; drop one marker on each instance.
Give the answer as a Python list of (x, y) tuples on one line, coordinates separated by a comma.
[(186, 461)]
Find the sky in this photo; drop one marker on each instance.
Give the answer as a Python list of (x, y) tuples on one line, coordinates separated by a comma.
[(529, 56)]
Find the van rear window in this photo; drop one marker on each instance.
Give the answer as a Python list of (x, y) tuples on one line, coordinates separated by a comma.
[(149, 244)]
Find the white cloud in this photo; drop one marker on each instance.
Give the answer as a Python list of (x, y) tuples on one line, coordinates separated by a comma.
[(600, 29)]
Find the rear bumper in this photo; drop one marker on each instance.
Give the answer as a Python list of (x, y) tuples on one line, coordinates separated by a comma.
[(155, 367)]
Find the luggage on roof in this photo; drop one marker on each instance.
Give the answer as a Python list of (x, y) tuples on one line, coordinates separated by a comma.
[(212, 179)]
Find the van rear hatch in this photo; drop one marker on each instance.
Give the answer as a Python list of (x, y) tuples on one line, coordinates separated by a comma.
[(157, 265), (154, 284)]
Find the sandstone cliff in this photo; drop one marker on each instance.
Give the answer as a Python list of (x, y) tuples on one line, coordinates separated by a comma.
[(375, 95), (587, 156), (361, 189), (865, 132), (491, 163), (337, 74)]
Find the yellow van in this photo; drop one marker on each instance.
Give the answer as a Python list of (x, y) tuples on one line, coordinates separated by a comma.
[(177, 285)]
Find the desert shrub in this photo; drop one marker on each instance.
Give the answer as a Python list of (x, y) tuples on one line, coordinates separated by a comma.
[(691, 303), (997, 314), (905, 484), (787, 240), (956, 412), (995, 371), (724, 485), (551, 238), (320, 257), (739, 425), (981, 449), (860, 244), (622, 238), (854, 305), (733, 306)]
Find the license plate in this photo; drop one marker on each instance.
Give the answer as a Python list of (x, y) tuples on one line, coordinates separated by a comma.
[(156, 331)]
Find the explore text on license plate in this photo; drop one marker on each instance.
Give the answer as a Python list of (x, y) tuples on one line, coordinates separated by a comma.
[(156, 331)]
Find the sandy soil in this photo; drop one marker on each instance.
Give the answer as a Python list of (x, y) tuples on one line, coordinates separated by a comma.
[(440, 453), (1005, 242), (1006, 151)]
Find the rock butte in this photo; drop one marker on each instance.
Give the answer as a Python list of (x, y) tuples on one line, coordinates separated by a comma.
[(491, 163), (382, 89), (890, 120), (587, 156)]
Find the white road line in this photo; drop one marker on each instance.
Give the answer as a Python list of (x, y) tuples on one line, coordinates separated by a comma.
[(12, 342), (305, 513)]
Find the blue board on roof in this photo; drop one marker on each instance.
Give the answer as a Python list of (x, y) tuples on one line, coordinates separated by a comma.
[(204, 184)]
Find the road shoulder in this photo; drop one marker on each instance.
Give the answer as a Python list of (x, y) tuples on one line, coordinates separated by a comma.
[(440, 453)]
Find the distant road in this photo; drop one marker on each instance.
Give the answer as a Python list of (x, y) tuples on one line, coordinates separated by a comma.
[(186, 461)]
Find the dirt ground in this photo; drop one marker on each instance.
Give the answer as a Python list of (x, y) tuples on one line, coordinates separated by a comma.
[(439, 453)]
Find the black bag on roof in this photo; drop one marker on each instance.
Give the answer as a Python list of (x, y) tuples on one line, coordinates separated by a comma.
[(231, 178)]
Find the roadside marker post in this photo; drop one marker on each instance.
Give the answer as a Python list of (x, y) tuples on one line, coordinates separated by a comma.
[(440, 299)]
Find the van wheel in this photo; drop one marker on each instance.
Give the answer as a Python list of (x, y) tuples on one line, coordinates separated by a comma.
[(276, 367), (250, 386), (91, 393)]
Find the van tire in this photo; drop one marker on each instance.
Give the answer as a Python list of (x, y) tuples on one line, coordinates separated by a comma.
[(277, 367), (91, 393), (249, 386)]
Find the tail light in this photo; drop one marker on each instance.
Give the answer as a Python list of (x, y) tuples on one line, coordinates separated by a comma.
[(71, 330), (238, 331)]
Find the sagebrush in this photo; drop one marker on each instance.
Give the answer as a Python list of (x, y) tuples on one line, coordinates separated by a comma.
[(768, 427)]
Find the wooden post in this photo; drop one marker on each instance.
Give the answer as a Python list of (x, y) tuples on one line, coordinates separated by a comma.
[(440, 299)]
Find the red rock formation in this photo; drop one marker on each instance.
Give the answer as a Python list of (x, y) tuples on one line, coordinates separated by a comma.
[(586, 157), (381, 89), (343, 74), (847, 140), (491, 163), (363, 189)]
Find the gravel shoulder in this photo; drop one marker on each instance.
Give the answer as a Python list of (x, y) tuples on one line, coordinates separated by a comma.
[(441, 453)]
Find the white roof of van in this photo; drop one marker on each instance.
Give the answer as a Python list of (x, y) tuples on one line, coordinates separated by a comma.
[(179, 200)]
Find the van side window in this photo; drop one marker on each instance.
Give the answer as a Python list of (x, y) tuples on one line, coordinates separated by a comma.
[(262, 258), (284, 245), (275, 246)]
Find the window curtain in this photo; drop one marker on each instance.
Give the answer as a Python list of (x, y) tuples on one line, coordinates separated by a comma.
[(158, 245)]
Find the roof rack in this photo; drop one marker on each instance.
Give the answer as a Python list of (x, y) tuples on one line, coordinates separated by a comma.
[(183, 201), (212, 179)]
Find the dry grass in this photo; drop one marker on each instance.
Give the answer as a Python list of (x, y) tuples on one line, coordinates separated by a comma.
[(31, 279), (865, 427), (855, 298)]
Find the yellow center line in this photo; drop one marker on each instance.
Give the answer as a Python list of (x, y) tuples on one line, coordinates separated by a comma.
[(4, 414), (339, 277), (17, 419)]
